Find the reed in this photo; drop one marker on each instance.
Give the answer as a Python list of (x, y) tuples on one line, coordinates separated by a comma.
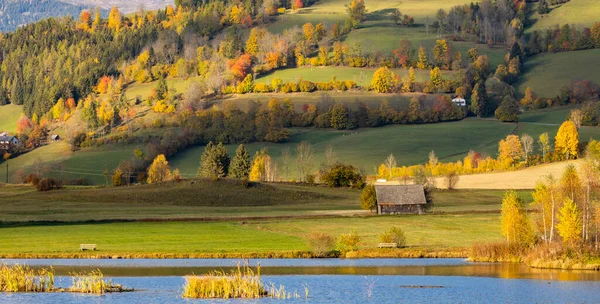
[(243, 282), (21, 278), (93, 282)]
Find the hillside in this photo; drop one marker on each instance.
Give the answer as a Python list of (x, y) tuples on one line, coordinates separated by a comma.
[(581, 13), (9, 114), (548, 73), (127, 6), (16, 13)]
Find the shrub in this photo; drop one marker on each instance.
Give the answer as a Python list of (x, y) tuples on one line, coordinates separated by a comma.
[(306, 86), (47, 184), (341, 175), (368, 198), (348, 242), (33, 179), (261, 88), (320, 243), (393, 235)]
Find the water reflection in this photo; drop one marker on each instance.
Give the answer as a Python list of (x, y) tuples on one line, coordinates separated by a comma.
[(361, 267)]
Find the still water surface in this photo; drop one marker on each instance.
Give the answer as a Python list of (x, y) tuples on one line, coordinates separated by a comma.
[(335, 281)]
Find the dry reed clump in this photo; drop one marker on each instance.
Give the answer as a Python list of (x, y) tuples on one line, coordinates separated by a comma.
[(95, 283), (498, 252), (241, 283), (21, 278)]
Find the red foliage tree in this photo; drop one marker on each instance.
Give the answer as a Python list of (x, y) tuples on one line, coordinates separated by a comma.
[(103, 83), (24, 125), (298, 4), (241, 67)]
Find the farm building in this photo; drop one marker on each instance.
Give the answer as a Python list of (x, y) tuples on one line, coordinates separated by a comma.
[(7, 142), (400, 199)]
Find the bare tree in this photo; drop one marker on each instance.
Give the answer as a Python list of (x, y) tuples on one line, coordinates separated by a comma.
[(127, 169), (390, 164), (270, 170), (527, 143), (304, 159), (331, 156), (551, 182), (285, 162), (433, 160), (576, 117), (452, 179)]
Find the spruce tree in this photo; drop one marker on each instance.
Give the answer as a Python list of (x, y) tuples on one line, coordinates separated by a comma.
[(240, 166), (214, 162)]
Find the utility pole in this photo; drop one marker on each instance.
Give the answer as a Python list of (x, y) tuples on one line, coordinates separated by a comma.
[(7, 171)]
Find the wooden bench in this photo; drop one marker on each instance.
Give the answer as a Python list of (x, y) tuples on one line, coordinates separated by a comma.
[(388, 245), (84, 247)]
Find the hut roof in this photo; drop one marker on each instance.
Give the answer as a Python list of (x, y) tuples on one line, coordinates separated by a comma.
[(400, 195)]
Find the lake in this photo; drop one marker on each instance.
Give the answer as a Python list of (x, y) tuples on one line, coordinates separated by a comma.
[(334, 281)]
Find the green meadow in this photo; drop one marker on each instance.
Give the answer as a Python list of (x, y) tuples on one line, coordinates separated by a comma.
[(581, 13), (9, 114), (546, 74)]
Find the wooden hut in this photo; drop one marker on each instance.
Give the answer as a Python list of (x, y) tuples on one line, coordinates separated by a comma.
[(400, 199)]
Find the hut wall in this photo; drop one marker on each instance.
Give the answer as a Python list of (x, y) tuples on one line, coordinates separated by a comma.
[(401, 209)]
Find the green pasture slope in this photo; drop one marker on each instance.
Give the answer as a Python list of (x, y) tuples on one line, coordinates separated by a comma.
[(368, 148), (581, 13), (362, 76), (547, 73), (9, 114)]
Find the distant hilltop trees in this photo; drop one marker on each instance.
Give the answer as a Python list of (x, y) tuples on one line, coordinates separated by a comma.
[(15, 14)]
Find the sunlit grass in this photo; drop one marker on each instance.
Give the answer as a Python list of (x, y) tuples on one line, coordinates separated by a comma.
[(21, 278)]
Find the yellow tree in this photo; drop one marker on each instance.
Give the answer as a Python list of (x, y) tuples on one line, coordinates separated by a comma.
[(409, 81), (423, 61), (567, 140), (114, 19), (435, 76), (544, 143), (509, 150), (159, 171), (383, 80), (58, 109), (257, 171), (569, 222), (106, 112), (256, 34), (309, 32), (515, 224), (571, 183)]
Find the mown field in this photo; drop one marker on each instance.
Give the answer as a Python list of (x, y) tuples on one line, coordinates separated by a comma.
[(547, 73), (207, 199), (460, 219), (9, 114), (581, 13), (153, 239)]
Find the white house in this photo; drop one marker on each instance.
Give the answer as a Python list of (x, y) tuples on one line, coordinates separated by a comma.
[(461, 102)]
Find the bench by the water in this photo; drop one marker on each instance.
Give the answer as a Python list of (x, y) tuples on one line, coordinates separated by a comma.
[(388, 245), (84, 247)]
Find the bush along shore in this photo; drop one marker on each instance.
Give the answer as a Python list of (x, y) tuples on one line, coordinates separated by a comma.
[(22, 278)]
